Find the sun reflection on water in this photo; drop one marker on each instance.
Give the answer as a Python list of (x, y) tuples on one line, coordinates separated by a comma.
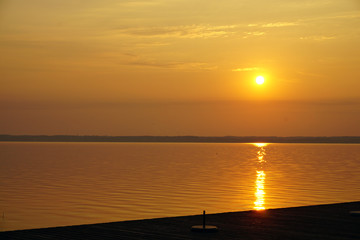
[(260, 193), (259, 204)]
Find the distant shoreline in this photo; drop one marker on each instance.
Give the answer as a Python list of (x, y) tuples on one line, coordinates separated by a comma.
[(177, 139)]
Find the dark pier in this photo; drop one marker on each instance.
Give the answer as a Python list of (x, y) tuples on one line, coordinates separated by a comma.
[(333, 221)]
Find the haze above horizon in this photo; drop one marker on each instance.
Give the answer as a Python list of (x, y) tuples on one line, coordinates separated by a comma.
[(185, 67)]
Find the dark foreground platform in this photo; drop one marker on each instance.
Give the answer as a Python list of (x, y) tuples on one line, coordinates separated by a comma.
[(332, 221)]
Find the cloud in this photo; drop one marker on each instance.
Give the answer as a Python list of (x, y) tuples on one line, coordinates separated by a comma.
[(187, 31), (252, 34), (273, 24), (249, 69), (318, 38), (260, 27), (173, 65), (178, 65), (279, 24)]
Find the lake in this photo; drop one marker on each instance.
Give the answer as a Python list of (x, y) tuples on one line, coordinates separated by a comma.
[(57, 184)]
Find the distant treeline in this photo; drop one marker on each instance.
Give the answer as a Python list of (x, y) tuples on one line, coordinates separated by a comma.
[(225, 139)]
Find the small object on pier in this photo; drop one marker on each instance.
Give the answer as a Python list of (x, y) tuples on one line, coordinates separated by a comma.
[(355, 213), (204, 227)]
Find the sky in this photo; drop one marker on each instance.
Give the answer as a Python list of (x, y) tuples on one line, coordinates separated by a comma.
[(180, 67)]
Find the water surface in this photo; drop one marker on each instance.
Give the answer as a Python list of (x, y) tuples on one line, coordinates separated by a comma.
[(54, 184)]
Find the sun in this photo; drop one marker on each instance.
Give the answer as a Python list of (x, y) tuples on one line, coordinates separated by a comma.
[(260, 80)]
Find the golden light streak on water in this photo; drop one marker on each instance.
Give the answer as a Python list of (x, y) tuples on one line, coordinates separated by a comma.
[(260, 193), (260, 144)]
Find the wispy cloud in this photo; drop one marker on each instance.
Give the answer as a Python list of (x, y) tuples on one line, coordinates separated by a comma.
[(279, 24), (273, 24), (252, 34), (188, 31), (318, 38), (176, 65), (248, 69), (259, 29)]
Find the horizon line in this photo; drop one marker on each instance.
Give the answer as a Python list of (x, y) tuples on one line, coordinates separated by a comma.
[(179, 138)]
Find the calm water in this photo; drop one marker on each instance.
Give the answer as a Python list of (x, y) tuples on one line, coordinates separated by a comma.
[(53, 184)]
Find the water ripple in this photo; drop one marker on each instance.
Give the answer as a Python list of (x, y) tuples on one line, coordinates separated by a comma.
[(53, 184)]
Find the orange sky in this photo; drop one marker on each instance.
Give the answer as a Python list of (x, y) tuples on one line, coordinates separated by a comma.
[(171, 67)]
